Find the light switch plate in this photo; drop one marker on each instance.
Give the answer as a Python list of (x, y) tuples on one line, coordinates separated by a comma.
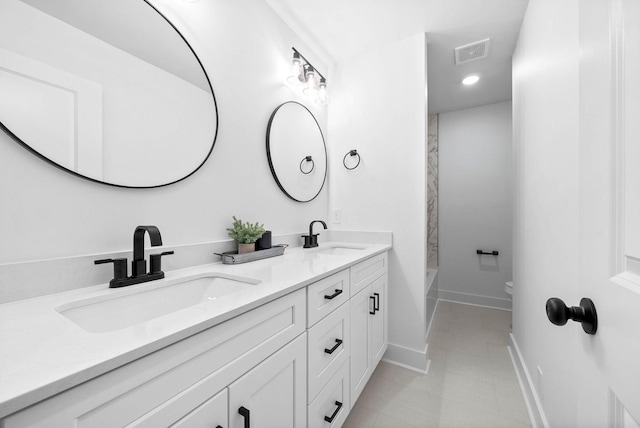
[(336, 216)]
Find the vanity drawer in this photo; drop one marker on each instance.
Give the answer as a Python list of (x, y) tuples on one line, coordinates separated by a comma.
[(327, 349), (211, 413), (332, 402), (364, 273), (326, 295)]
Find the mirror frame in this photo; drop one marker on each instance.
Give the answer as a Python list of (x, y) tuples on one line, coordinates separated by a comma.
[(213, 143), (272, 167)]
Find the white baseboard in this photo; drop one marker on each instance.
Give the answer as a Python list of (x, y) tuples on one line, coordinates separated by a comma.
[(408, 358), (473, 299), (531, 399)]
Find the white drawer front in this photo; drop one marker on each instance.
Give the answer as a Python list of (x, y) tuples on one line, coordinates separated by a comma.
[(328, 349), (332, 402), (211, 413), (364, 273), (326, 295)]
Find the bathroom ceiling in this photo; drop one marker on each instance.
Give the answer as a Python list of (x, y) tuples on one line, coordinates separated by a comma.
[(337, 30)]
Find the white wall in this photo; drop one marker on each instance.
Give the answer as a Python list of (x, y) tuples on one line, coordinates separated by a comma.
[(546, 155), (379, 108), (474, 212), (246, 49)]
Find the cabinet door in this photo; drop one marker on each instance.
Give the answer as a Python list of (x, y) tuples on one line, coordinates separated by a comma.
[(212, 413), (362, 305), (273, 394), (379, 320)]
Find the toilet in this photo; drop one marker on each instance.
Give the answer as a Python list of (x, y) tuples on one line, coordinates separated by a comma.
[(508, 288)]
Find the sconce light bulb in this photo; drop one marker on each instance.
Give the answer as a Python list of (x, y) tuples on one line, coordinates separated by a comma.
[(296, 75), (323, 95), (311, 88)]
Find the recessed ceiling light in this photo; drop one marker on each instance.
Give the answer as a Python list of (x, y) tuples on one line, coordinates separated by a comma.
[(470, 80)]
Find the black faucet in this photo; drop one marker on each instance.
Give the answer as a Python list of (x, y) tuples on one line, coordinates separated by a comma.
[(311, 240), (139, 272)]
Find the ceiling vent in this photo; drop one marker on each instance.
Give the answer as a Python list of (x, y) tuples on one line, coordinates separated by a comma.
[(472, 51)]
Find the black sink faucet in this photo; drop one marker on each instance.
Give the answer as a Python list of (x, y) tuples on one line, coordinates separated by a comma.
[(139, 264), (311, 240), (139, 272)]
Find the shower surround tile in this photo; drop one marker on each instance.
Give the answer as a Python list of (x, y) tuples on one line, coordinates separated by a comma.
[(432, 192)]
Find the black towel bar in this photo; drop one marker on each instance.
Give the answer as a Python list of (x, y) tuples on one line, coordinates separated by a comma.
[(488, 253)]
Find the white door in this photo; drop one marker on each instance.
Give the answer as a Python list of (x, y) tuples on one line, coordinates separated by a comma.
[(377, 320), (608, 373), (361, 307)]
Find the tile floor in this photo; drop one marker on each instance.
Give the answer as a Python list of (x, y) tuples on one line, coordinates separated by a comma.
[(471, 381)]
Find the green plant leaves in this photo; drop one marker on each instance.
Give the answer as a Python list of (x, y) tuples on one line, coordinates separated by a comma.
[(245, 233)]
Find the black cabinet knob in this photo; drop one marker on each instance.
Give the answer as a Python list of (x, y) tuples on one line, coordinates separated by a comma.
[(558, 313)]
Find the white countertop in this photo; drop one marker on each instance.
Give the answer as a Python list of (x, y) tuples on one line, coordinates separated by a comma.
[(42, 353)]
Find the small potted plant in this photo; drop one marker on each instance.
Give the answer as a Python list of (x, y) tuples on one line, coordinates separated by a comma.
[(245, 234)]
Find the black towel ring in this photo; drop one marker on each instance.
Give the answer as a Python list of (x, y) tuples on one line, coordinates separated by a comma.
[(307, 159), (351, 153)]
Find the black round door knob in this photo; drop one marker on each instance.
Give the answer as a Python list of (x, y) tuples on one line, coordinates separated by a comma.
[(558, 313)]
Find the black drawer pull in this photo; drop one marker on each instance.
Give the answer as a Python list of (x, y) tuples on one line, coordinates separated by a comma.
[(376, 304), (245, 414), (372, 312), (331, 351), (334, 295), (219, 426), (335, 412)]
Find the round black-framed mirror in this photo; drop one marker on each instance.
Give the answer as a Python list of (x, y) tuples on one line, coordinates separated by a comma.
[(108, 90), (296, 151)]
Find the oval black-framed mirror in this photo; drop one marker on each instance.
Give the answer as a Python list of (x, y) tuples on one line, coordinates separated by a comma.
[(296, 151), (108, 90)]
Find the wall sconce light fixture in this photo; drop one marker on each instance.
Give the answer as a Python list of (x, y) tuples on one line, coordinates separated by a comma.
[(302, 72)]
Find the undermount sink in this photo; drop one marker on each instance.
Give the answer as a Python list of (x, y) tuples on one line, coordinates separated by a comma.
[(126, 307), (338, 250)]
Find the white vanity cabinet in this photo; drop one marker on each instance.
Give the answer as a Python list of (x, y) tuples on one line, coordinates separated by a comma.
[(368, 310), (328, 350), (183, 382), (298, 361), (346, 338)]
